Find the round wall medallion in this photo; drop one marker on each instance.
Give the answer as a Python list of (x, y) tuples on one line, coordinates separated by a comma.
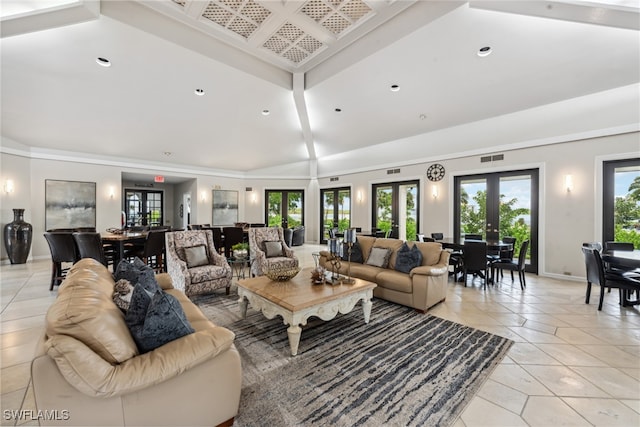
[(435, 172)]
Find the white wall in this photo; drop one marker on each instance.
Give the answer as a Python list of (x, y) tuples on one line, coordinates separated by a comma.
[(566, 220)]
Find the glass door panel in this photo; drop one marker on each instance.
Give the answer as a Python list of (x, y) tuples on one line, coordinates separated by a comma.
[(473, 206), (621, 204), (335, 211), (285, 208), (143, 208), (395, 209), (515, 209)]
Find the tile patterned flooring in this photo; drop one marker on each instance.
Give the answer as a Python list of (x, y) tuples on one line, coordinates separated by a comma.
[(570, 364)]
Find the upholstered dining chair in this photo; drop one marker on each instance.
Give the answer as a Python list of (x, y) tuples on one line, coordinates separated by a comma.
[(597, 275), (268, 250), (510, 264), (232, 236), (90, 246), (475, 260), (194, 264), (152, 251), (63, 254)]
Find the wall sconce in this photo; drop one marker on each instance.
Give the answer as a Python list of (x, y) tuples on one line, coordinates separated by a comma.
[(434, 191), (359, 196), (254, 197), (568, 183), (8, 186), (203, 196), (112, 192)]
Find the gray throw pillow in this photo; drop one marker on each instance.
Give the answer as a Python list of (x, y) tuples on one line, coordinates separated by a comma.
[(196, 256), (164, 321), (130, 270), (379, 257), (408, 258), (273, 249)]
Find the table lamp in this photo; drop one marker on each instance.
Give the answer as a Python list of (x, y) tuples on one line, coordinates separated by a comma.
[(350, 239)]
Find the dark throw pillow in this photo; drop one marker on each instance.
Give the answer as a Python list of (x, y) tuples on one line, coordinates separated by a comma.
[(356, 253), (195, 256), (408, 258), (155, 320), (379, 257), (273, 249)]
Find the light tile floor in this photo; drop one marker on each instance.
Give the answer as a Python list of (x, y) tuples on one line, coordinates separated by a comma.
[(570, 364)]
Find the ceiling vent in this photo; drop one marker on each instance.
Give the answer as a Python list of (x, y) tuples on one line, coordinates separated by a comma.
[(336, 16), (292, 43), (248, 189), (393, 171), (495, 157), (334, 179)]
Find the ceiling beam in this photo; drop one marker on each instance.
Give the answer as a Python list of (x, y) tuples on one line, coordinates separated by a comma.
[(303, 114), (591, 13)]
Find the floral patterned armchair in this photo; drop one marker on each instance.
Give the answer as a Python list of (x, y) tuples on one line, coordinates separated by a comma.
[(194, 264), (263, 249)]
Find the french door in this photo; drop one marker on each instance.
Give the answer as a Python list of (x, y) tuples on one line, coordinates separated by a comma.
[(143, 207), (621, 201), (497, 205), (284, 208), (335, 210), (396, 209)]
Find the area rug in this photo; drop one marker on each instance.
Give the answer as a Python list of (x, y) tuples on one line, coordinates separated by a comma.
[(402, 369)]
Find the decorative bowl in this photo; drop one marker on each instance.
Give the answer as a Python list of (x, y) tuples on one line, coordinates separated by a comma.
[(282, 274)]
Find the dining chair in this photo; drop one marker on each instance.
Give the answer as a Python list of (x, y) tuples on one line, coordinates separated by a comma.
[(232, 236), (626, 283), (218, 240), (510, 264), (152, 252), (437, 236), (593, 245), (616, 246), (475, 261), (63, 250), (504, 255), (90, 246), (419, 237)]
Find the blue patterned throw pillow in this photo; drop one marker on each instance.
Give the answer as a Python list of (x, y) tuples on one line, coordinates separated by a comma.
[(161, 322), (408, 258)]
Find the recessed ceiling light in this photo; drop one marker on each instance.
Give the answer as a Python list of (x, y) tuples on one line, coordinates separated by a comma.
[(167, 153), (103, 62), (266, 112), (484, 51), (395, 88), (199, 92), (338, 110), (422, 116)]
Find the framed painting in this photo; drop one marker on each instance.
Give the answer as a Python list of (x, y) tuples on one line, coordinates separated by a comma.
[(69, 204), (225, 207)]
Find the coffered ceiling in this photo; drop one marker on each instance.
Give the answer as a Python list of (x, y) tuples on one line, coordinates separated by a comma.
[(312, 86)]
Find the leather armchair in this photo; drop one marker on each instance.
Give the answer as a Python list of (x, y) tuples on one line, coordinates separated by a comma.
[(260, 261), (201, 279)]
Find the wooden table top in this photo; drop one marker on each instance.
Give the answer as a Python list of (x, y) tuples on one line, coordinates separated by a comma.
[(300, 293), (122, 237)]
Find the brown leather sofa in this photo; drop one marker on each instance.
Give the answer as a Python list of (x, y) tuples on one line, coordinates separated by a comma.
[(88, 370), (422, 288)]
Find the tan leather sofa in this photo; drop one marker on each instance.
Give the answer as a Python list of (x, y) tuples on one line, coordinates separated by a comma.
[(422, 288), (88, 370)]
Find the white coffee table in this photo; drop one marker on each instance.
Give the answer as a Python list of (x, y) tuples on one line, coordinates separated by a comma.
[(298, 299)]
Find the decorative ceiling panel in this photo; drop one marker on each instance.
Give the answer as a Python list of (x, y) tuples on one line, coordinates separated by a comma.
[(290, 32)]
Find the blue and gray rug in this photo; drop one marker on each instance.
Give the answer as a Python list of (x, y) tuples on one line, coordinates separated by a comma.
[(402, 369)]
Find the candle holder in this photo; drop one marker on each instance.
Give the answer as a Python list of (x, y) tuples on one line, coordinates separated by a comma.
[(350, 239), (334, 249)]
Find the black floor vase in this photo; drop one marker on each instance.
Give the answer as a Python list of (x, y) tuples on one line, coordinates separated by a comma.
[(17, 238)]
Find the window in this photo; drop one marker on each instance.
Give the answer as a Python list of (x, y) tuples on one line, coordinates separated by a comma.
[(621, 201)]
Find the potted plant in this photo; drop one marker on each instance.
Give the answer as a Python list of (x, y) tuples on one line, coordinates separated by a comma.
[(240, 250)]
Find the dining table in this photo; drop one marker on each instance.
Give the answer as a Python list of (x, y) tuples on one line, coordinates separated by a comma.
[(493, 245), (119, 241), (628, 259)]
